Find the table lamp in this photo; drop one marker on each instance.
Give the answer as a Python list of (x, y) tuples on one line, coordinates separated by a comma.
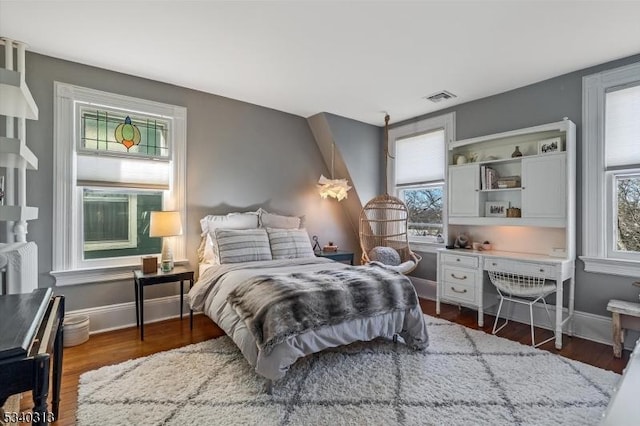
[(165, 224)]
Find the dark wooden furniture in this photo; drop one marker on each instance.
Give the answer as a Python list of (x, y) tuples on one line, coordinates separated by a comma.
[(140, 279), (338, 256), (31, 328)]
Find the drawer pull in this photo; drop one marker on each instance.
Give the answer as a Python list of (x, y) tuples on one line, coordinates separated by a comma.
[(458, 291), (494, 264), (458, 260), (541, 270), (464, 277)]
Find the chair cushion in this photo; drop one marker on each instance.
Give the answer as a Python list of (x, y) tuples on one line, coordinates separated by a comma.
[(385, 255)]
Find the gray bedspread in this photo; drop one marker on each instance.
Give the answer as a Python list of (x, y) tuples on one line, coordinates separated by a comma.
[(275, 307), (216, 282)]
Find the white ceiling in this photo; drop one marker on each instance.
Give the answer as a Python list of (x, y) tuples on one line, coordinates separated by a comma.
[(355, 59)]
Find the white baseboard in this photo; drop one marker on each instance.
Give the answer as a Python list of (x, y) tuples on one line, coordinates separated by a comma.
[(588, 326), (123, 315)]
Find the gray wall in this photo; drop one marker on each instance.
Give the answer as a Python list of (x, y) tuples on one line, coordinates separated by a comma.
[(239, 157), (544, 102)]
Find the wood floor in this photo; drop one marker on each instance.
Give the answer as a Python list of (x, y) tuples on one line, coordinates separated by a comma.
[(120, 345)]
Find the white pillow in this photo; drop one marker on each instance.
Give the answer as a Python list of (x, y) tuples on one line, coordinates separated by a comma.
[(241, 245), (289, 243), (270, 220), (248, 220)]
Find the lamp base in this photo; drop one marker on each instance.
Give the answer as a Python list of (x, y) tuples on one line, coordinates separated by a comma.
[(166, 259)]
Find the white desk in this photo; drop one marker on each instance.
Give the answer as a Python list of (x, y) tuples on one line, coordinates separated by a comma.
[(461, 278)]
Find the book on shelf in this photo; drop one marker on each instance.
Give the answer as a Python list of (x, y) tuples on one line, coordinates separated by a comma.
[(488, 178)]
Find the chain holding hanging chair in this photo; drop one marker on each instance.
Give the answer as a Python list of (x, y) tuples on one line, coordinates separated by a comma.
[(383, 228)]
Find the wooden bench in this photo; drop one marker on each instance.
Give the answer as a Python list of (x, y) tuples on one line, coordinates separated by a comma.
[(626, 315)]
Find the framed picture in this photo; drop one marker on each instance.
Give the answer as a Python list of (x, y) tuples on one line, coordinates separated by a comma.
[(496, 208), (549, 145)]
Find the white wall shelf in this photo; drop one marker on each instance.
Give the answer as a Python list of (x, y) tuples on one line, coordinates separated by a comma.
[(508, 221), (18, 213), (16, 97), (15, 154)]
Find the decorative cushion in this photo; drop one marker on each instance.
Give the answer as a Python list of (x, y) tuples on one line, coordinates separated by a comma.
[(210, 223), (289, 243), (241, 245), (270, 220), (385, 255)]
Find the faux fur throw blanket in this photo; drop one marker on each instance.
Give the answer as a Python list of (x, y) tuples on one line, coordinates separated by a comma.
[(275, 307)]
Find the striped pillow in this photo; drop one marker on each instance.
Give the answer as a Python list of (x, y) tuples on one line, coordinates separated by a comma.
[(289, 243), (242, 245)]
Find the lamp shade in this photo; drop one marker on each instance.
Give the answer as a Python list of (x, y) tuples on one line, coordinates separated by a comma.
[(333, 188), (165, 224)]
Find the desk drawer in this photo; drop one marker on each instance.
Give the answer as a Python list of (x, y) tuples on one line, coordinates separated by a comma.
[(455, 259), (457, 291), (545, 270), (454, 275)]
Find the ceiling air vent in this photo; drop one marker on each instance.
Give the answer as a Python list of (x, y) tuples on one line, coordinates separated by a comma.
[(440, 96)]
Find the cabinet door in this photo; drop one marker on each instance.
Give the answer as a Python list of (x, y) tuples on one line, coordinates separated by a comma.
[(464, 184), (544, 186)]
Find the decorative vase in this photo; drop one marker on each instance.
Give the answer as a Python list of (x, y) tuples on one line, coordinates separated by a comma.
[(516, 153)]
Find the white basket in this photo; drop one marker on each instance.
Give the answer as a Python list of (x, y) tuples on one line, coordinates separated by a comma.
[(76, 330)]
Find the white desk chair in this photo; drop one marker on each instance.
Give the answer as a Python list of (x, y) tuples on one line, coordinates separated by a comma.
[(524, 289)]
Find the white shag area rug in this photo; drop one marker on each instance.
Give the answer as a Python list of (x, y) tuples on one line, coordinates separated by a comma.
[(465, 377)]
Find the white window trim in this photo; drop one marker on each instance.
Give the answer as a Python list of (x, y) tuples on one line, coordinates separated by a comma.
[(446, 122), (594, 179), (66, 234)]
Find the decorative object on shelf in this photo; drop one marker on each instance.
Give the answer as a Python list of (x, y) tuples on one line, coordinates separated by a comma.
[(127, 133), (460, 159), (316, 244), (486, 245), (330, 247), (462, 241), (490, 158), (334, 188), (516, 153), (549, 145), (149, 264), (496, 208), (473, 157), (509, 182), (439, 238), (476, 245), (165, 224), (514, 212)]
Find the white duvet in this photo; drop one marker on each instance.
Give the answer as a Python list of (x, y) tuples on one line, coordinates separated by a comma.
[(210, 293)]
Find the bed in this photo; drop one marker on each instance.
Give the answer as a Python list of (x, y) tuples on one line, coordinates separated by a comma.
[(241, 289)]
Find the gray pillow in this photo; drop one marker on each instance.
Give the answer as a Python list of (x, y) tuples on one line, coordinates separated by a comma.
[(385, 255)]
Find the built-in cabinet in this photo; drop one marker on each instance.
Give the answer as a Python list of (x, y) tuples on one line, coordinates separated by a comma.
[(517, 190)]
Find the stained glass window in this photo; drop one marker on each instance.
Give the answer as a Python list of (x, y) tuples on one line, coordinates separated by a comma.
[(99, 128)]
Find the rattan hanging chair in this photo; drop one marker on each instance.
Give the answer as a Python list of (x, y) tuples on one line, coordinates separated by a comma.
[(383, 229), (383, 225)]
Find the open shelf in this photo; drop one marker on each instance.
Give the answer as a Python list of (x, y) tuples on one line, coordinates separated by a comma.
[(14, 154), (18, 213), (15, 97), (508, 221)]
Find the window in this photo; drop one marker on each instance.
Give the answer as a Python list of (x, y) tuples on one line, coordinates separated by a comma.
[(611, 183), (118, 159), (417, 175)]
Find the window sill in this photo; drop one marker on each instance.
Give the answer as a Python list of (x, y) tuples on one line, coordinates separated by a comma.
[(425, 247), (98, 275), (603, 265)]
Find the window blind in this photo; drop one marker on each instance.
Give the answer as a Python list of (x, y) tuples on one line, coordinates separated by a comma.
[(96, 170), (420, 158), (622, 127)]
